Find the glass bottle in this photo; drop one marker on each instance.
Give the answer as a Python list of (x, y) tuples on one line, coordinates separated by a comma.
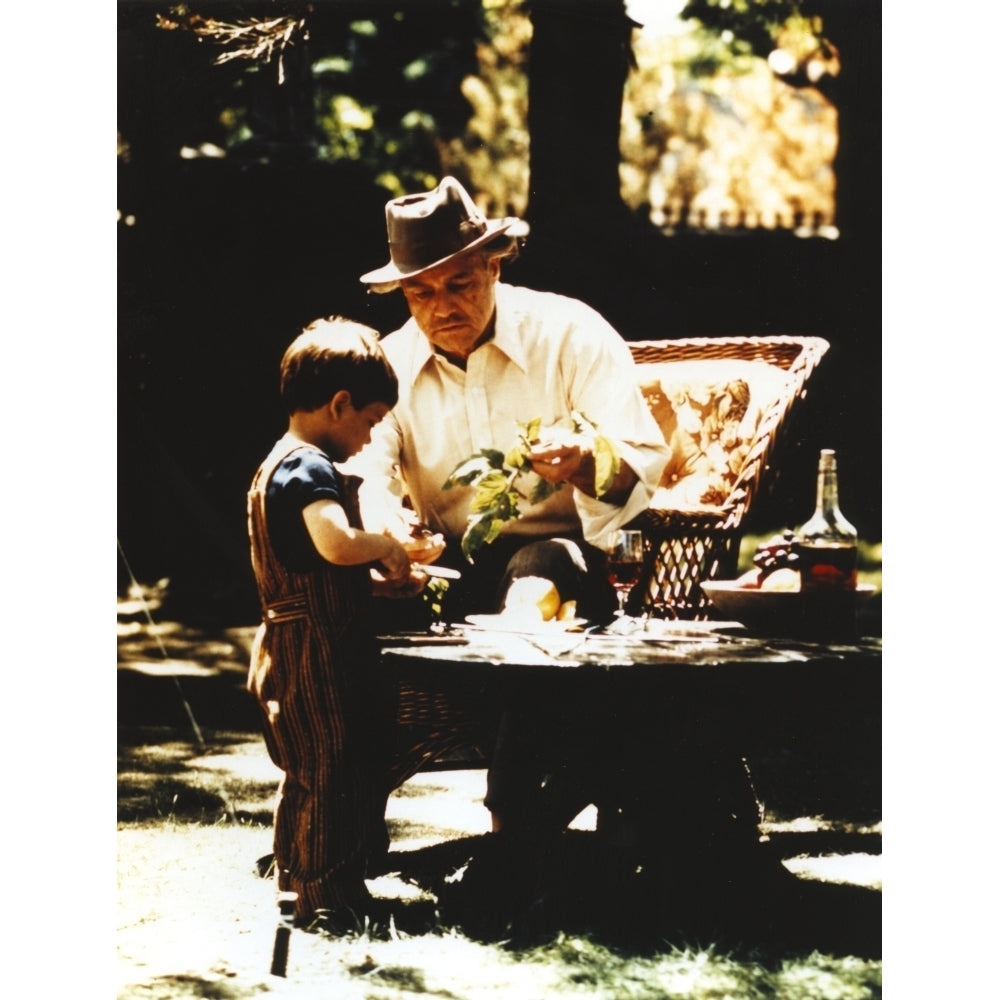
[(827, 542)]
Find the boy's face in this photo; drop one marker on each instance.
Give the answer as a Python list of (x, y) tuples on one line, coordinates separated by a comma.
[(351, 429)]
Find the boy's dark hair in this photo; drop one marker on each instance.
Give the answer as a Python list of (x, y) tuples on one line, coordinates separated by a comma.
[(331, 354)]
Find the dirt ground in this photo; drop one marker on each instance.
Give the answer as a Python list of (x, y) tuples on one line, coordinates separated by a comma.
[(195, 796)]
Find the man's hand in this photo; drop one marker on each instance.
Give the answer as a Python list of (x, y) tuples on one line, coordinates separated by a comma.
[(571, 460), (563, 462)]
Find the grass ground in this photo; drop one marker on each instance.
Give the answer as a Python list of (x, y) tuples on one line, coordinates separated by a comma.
[(195, 794)]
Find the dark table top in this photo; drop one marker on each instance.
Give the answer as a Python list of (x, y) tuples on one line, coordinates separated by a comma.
[(680, 645), (750, 685)]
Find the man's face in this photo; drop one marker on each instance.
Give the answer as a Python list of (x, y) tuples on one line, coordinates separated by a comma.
[(453, 303)]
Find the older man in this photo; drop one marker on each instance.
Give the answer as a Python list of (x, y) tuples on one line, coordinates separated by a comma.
[(476, 359)]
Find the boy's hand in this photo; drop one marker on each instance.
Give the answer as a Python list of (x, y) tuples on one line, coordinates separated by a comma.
[(395, 563), (412, 585)]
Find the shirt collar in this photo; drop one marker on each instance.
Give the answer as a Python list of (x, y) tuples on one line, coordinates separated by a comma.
[(507, 336), (422, 350)]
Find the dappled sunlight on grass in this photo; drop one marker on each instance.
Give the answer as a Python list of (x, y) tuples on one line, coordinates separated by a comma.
[(844, 869), (435, 804), (830, 978), (191, 912), (819, 824), (166, 648)]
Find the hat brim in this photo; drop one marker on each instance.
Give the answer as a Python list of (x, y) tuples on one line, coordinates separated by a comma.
[(494, 228)]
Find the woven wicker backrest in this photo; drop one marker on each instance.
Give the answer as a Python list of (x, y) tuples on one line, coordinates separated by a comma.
[(686, 546)]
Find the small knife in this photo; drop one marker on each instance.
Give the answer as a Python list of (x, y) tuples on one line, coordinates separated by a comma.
[(442, 571)]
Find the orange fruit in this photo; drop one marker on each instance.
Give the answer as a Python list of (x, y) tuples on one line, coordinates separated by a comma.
[(566, 612), (533, 595)]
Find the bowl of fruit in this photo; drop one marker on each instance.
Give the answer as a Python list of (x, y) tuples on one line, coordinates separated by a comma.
[(768, 599)]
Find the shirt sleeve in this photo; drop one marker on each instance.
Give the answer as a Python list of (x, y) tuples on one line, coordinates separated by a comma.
[(604, 387), (302, 478), (381, 491)]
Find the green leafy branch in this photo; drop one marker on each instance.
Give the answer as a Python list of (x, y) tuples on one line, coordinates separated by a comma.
[(495, 475)]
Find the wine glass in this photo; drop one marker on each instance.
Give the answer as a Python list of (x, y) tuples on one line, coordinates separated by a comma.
[(624, 550)]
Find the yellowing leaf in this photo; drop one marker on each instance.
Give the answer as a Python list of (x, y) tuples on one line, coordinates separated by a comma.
[(607, 464), (490, 491), (531, 430), (516, 458)]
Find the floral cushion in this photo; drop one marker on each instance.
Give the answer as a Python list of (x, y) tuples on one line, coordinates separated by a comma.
[(708, 412)]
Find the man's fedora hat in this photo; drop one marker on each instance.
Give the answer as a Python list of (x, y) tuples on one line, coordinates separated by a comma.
[(425, 230)]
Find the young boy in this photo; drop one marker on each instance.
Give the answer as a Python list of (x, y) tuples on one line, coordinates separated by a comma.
[(313, 669)]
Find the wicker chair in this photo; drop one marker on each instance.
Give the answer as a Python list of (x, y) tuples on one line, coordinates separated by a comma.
[(685, 547), (440, 730)]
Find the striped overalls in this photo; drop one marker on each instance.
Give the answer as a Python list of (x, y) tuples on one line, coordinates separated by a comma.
[(327, 715)]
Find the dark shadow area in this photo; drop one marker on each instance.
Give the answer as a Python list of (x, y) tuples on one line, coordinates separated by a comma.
[(215, 701), (582, 886), (816, 750), (160, 779), (822, 842), (181, 801), (175, 714), (196, 987)]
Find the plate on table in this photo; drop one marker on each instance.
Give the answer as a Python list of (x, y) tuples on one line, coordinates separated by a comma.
[(780, 612), (512, 623), (665, 630)]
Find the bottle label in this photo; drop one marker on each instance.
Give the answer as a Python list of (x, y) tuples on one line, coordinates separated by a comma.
[(827, 567)]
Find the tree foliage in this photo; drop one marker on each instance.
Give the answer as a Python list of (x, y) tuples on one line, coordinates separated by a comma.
[(407, 91), (789, 34), (736, 121)]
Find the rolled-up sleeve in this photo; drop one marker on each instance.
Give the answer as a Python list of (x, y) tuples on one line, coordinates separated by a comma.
[(604, 387), (381, 491)]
